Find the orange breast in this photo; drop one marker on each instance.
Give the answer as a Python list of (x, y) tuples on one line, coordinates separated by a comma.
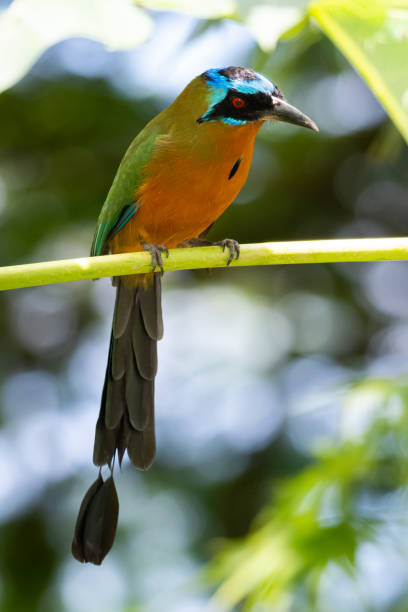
[(188, 186)]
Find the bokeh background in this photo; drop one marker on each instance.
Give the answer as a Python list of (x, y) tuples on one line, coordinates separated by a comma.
[(281, 394)]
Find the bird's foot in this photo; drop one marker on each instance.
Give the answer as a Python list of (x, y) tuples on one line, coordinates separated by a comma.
[(232, 245), (156, 251), (227, 243)]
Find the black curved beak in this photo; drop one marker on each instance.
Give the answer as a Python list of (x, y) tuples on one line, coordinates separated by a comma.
[(280, 110)]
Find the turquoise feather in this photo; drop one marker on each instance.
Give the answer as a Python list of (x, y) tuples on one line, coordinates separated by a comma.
[(117, 209)]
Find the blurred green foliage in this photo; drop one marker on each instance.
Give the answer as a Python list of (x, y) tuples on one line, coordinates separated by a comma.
[(25, 31), (282, 401), (372, 34), (323, 516)]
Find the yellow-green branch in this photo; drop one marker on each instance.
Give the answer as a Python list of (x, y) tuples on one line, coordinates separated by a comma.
[(265, 254)]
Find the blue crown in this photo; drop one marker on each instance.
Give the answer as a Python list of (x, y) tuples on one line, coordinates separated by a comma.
[(243, 80)]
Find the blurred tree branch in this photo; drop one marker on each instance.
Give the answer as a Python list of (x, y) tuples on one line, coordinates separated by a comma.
[(263, 254)]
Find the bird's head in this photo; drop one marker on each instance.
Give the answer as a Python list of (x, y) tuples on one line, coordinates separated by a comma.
[(239, 96)]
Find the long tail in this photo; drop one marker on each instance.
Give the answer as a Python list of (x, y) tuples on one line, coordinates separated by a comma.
[(126, 417)]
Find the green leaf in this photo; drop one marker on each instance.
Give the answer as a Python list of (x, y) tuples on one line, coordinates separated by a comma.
[(269, 23), (315, 520), (29, 27), (272, 19), (267, 20), (373, 35)]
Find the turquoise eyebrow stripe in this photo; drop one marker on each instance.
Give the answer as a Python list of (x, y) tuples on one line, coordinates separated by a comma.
[(220, 81)]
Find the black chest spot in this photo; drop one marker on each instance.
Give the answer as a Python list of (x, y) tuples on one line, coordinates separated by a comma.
[(234, 168)]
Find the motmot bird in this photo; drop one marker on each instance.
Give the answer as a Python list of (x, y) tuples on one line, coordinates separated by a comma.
[(178, 176)]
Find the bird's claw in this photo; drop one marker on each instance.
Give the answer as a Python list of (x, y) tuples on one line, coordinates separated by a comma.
[(227, 243), (156, 251), (232, 245)]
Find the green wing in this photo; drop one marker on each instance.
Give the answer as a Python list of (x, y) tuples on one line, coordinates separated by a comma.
[(120, 205)]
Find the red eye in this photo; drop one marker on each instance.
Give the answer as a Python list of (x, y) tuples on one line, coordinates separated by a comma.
[(238, 102)]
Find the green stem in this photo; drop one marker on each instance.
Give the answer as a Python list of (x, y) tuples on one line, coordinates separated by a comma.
[(265, 254)]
